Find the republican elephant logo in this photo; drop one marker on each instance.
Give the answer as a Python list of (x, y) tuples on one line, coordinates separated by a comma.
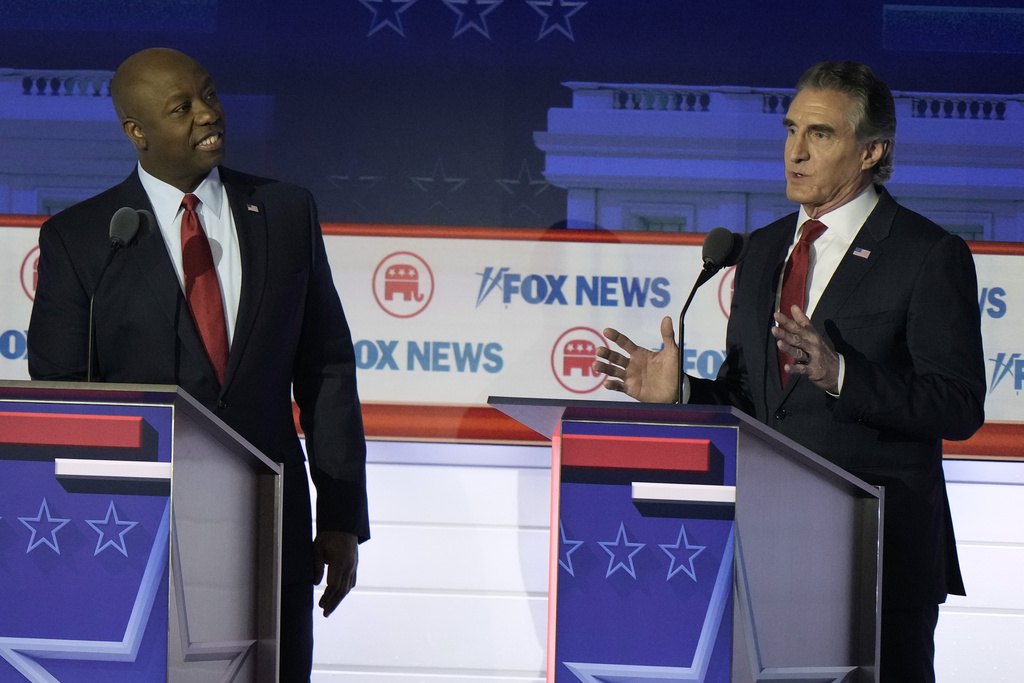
[(403, 284), (402, 279), (572, 360), (578, 354), (30, 273)]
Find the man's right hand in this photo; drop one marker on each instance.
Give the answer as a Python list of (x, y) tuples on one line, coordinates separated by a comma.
[(649, 376)]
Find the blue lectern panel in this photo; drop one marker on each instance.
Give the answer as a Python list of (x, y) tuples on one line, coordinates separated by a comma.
[(83, 572), (643, 590)]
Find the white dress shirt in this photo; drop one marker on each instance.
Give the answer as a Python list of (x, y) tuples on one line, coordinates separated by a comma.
[(826, 252), (218, 223)]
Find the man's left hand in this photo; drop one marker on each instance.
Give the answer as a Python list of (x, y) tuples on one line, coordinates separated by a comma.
[(812, 354), (339, 551)]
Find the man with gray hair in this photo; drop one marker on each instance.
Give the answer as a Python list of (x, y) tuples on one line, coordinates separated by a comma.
[(855, 331)]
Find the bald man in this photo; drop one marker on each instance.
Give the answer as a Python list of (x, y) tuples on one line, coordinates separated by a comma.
[(284, 332)]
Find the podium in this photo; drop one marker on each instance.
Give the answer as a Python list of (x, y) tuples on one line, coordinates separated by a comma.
[(692, 543), (139, 539)]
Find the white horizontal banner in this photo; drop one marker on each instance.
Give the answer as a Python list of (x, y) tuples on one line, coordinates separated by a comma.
[(446, 320)]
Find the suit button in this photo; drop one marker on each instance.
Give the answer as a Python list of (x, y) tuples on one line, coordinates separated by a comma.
[(780, 414), (221, 405)]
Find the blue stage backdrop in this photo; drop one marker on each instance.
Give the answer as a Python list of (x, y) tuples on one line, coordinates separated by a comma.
[(424, 111)]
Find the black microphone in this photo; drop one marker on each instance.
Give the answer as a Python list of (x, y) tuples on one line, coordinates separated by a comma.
[(722, 248), (124, 225)]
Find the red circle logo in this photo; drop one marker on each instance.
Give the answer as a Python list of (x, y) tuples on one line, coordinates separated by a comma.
[(725, 290), (572, 357), (403, 284), (30, 273)]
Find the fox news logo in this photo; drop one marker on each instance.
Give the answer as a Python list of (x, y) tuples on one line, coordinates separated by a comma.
[(1007, 367), (566, 290), (13, 344)]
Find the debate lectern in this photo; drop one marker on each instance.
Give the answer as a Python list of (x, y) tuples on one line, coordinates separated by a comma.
[(139, 539), (692, 543)]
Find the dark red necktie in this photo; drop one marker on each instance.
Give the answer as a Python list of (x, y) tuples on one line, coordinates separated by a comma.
[(202, 288), (794, 281)]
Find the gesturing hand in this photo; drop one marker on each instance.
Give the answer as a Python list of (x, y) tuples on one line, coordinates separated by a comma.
[(812, 354), (645, 375)]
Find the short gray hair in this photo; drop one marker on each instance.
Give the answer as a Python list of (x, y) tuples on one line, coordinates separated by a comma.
[(874, 109)]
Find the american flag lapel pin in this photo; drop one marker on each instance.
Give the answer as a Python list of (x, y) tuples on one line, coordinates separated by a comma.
[(253, 208), (862, 253)]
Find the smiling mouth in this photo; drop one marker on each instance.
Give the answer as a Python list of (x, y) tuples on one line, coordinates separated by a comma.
[(210, 142)]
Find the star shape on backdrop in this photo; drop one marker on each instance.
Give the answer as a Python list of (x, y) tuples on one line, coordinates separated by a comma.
[(387, 14), (438, 186), (472, 14), (354, 184), (682, 553), (565, 549), (556, 15), (43, 530), (108, 528), (620, 552), (523, 189)]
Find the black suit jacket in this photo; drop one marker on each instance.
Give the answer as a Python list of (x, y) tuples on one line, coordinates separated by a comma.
[(904, 314), (290, 335)]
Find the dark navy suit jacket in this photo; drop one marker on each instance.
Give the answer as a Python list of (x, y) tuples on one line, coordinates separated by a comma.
[(904, 313), (290, 334)]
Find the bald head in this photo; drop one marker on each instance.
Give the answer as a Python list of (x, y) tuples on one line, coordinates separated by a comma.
[(168, 108), (139, 70)]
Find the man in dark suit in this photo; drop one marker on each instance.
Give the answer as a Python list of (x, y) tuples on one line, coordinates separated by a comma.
[(882, 350), (277, 325)]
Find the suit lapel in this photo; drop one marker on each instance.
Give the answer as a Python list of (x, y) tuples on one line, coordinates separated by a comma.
[(853, 268), (251, 225), (771, 272), (153, 267)]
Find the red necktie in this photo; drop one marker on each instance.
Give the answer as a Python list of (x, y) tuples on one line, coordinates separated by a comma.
[(202, 288), (794, 281)]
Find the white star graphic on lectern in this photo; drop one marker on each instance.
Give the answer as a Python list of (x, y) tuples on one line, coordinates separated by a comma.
[(49, 537), (684, 555), (113, 528), (21, 653), (619, 547), (595, 672), (572, 547)]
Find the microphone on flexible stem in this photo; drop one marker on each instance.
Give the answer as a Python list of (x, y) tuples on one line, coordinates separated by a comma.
[(124, 225), (722, 248)]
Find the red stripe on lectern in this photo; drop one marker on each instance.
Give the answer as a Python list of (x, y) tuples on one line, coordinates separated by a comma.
[(636, 453), (54, 429)]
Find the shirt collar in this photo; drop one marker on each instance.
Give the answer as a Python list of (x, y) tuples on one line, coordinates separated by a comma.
[(166, 199), (847, 219)]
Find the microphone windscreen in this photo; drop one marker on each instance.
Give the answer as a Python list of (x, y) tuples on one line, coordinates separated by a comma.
[(735, 255), (123, 226), (718, 245), (147, 222)]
